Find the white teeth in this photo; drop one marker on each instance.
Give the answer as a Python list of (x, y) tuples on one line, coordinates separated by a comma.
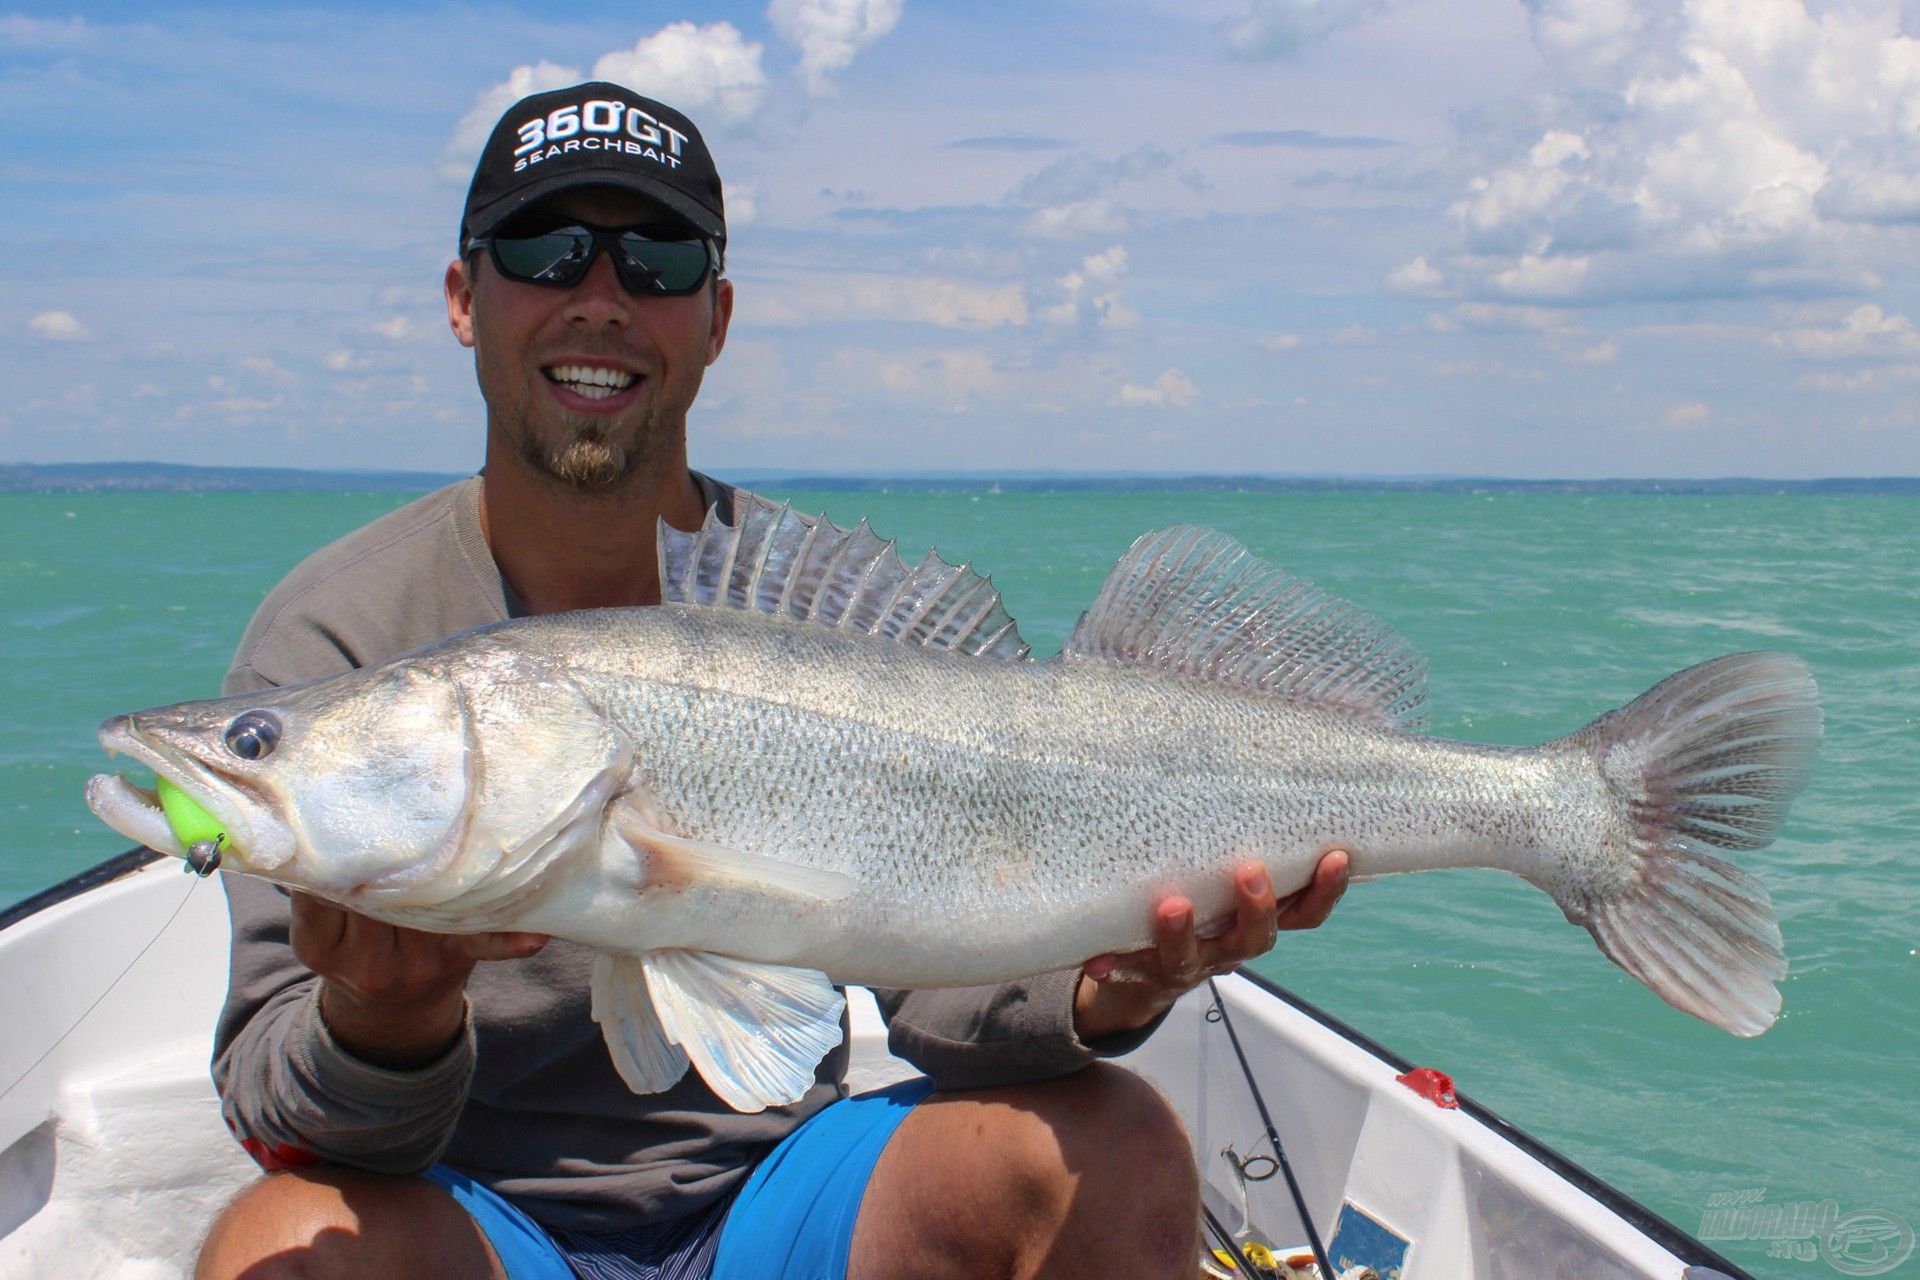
[(591, 381)]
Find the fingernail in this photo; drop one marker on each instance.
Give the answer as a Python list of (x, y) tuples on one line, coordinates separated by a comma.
[(1256, 884)]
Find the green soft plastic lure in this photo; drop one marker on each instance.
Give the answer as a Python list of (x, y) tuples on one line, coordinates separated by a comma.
[(196, 829)]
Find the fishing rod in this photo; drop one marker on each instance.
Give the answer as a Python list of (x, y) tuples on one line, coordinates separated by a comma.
[(1273, 1134)]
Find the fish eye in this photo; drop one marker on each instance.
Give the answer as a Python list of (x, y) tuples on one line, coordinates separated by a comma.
[(253, 734)]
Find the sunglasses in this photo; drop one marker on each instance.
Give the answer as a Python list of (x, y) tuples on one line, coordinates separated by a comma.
[(561, 257)]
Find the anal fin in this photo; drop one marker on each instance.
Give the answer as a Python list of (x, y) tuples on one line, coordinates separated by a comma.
[(641, 1052), (756, 1032)]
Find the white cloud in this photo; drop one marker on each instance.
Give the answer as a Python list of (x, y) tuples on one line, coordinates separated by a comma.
[(394, 328), (1279, 341), (1172, 389), (1594, 38), (1543, 276), (1711, 147), (266, 367), (1689, 414), (469, 139), (711, 73), (1501, 317), (342, 360), (58, 326), (951, 379), (1884, 377), (1078, 221), (1517, 195), (1272, 27), (1417, 277), (1599, 353), (743, 205), (1091, 291), (829, 33), (935, 300), (1865, 331)]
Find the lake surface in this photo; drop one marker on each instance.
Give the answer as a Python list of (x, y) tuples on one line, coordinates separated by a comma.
[(1536, 612)]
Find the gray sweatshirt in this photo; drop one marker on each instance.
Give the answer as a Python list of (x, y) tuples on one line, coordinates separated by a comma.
[(527, 1101)]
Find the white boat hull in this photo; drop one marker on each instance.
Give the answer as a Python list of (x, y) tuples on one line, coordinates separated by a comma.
[(113, 1157)]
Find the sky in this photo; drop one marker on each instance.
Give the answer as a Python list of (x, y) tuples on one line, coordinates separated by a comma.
[(1574, 238)]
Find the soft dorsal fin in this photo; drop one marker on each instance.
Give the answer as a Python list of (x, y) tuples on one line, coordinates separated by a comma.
[(777, 561), (1195, 602)]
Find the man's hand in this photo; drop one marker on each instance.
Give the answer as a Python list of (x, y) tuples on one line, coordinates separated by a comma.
[(1122, 992), (393, 997)]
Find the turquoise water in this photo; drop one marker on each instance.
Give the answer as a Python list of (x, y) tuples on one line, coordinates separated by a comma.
[(1536, 612)]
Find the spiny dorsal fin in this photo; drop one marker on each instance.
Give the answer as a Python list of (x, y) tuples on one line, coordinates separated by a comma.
[(780, 562), (1195, 602)]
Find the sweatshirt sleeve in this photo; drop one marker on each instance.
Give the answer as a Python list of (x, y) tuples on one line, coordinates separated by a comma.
[(1009, 1033), (287, 1089)]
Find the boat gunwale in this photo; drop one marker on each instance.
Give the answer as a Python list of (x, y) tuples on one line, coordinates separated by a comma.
[(100, 873)]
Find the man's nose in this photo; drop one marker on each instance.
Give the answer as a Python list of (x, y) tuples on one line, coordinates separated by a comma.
[(600, 298)]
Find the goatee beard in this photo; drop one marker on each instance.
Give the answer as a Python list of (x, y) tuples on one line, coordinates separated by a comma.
[(585, 462)]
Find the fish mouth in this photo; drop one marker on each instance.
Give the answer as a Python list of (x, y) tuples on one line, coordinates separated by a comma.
[(254, 841), (133, 811)]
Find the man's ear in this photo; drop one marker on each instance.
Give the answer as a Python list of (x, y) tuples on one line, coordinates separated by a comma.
[(722, 317), (459, 287)]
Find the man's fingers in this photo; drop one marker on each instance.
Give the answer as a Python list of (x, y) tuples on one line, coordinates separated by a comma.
[(318, 927), (369, 942), (1312, 905), (503, 946), (1174, 941), (1179, 958), (1256, 909)]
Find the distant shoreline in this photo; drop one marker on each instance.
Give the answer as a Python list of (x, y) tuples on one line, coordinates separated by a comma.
[(158, 477)]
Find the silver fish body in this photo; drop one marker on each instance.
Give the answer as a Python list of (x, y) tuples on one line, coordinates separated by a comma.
[(818, 765), (1004, 819)]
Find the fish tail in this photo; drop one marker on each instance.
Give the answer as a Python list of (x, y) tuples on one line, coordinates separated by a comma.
[(1708, 759)]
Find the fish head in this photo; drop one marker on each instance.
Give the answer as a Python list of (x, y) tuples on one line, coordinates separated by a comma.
[(351, 786)]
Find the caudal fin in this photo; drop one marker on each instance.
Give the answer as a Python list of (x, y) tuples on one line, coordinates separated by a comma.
[(1708, 759)]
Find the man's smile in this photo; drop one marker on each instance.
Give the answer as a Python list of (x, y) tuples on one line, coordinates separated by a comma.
[(593, 384)]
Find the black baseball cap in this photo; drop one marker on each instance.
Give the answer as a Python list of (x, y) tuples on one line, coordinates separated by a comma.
[(594, 135)]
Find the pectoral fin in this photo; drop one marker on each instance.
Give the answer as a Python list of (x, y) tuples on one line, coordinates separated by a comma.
[(641, 1052), (757, 1032), (673, 861)]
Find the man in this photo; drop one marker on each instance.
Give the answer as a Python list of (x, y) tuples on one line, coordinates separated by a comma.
[(429, 1117)]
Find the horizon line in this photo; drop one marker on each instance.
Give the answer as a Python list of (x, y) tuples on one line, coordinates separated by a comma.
[(1017, 474)]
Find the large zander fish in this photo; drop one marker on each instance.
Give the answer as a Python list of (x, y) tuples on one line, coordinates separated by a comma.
[(816, 765)]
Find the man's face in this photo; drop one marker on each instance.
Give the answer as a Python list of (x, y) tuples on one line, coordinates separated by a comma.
[(589, 384)]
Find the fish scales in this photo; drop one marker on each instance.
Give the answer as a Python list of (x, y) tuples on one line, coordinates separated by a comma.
[(971, 798)]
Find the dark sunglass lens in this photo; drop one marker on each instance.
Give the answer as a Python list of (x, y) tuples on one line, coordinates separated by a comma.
[(662, 266), (552, 257)]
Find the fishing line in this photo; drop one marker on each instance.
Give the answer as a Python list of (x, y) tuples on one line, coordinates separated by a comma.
[(118, 978), (1273, 1134)]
